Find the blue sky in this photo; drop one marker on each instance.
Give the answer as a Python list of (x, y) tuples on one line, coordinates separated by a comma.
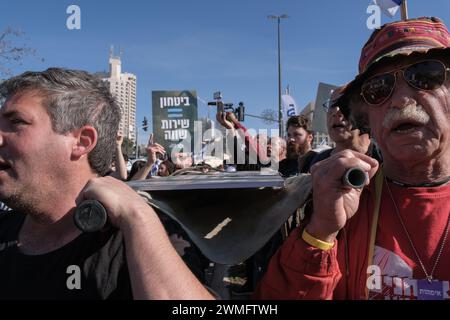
[(206, 45)]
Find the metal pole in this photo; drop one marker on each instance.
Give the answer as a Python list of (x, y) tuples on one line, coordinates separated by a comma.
[(259, 117), (280, 109), (404, 9), (137, 145)]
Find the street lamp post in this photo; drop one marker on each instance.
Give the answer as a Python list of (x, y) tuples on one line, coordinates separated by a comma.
[(404, 9), (280, 109), (137, 143)]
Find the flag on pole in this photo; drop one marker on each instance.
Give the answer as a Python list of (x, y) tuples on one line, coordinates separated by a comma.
[(389, 7), (289, 107)]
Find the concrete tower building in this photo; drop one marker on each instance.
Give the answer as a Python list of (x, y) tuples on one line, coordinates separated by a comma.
[(123, 87)]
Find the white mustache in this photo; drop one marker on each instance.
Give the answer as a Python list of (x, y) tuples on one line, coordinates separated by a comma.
[(411, 112)]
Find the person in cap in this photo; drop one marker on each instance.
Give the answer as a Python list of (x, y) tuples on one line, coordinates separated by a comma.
[(342, 133), (390, 239)]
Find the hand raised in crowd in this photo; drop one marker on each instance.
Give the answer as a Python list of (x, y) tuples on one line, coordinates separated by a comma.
[(335, 203), (119, 139), (231, 118), (120, 171), (225, 119), (153, 149)]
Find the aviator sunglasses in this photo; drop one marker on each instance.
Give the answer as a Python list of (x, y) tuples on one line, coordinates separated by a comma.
[(426, 75)]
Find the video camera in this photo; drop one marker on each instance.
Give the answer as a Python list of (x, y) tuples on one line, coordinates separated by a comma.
[(228, 107)]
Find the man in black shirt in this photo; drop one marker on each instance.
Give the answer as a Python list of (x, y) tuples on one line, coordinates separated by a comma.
[(57, 137)]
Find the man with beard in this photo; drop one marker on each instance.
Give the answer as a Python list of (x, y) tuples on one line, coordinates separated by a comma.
[(389, 240), (299, 138)]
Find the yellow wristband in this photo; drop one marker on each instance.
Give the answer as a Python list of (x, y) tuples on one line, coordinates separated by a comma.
[(316, 243)]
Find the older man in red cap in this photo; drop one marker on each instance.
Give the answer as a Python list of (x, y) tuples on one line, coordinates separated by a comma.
[(390, 239)]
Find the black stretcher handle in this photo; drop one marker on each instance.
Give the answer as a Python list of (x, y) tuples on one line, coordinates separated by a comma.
[(90, 216), (355, 178)]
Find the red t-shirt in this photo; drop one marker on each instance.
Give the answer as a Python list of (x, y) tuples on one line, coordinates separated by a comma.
[(425, 213)]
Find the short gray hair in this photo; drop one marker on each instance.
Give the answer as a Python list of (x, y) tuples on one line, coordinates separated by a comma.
[(74, 99)]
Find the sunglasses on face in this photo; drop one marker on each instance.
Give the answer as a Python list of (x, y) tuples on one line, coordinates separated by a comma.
[(328, 104), (332, 105), (425, 75)]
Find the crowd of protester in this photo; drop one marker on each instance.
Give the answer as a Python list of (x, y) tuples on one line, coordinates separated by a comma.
[(391, 121)]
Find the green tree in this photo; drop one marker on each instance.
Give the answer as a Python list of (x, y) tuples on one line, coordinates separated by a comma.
[(128, 147), (269, 116), (142, 151), (11, 53)]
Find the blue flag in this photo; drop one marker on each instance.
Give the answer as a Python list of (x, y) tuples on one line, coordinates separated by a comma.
[(389, 7)]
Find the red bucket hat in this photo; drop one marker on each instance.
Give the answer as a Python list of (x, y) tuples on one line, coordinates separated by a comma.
[(421, 35), (404, 37)]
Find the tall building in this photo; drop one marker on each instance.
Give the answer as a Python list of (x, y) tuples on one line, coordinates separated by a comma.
[(320, 136), (123, 87), (308, 111)]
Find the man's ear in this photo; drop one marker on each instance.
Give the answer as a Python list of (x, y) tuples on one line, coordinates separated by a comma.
[(85, 140)]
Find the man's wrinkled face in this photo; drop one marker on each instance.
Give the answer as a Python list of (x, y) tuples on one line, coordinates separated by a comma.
[(31, 153), (412, 125), (298, 142)]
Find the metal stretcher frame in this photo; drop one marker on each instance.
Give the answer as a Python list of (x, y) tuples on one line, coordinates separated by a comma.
[(238, 180), (229, 216)]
